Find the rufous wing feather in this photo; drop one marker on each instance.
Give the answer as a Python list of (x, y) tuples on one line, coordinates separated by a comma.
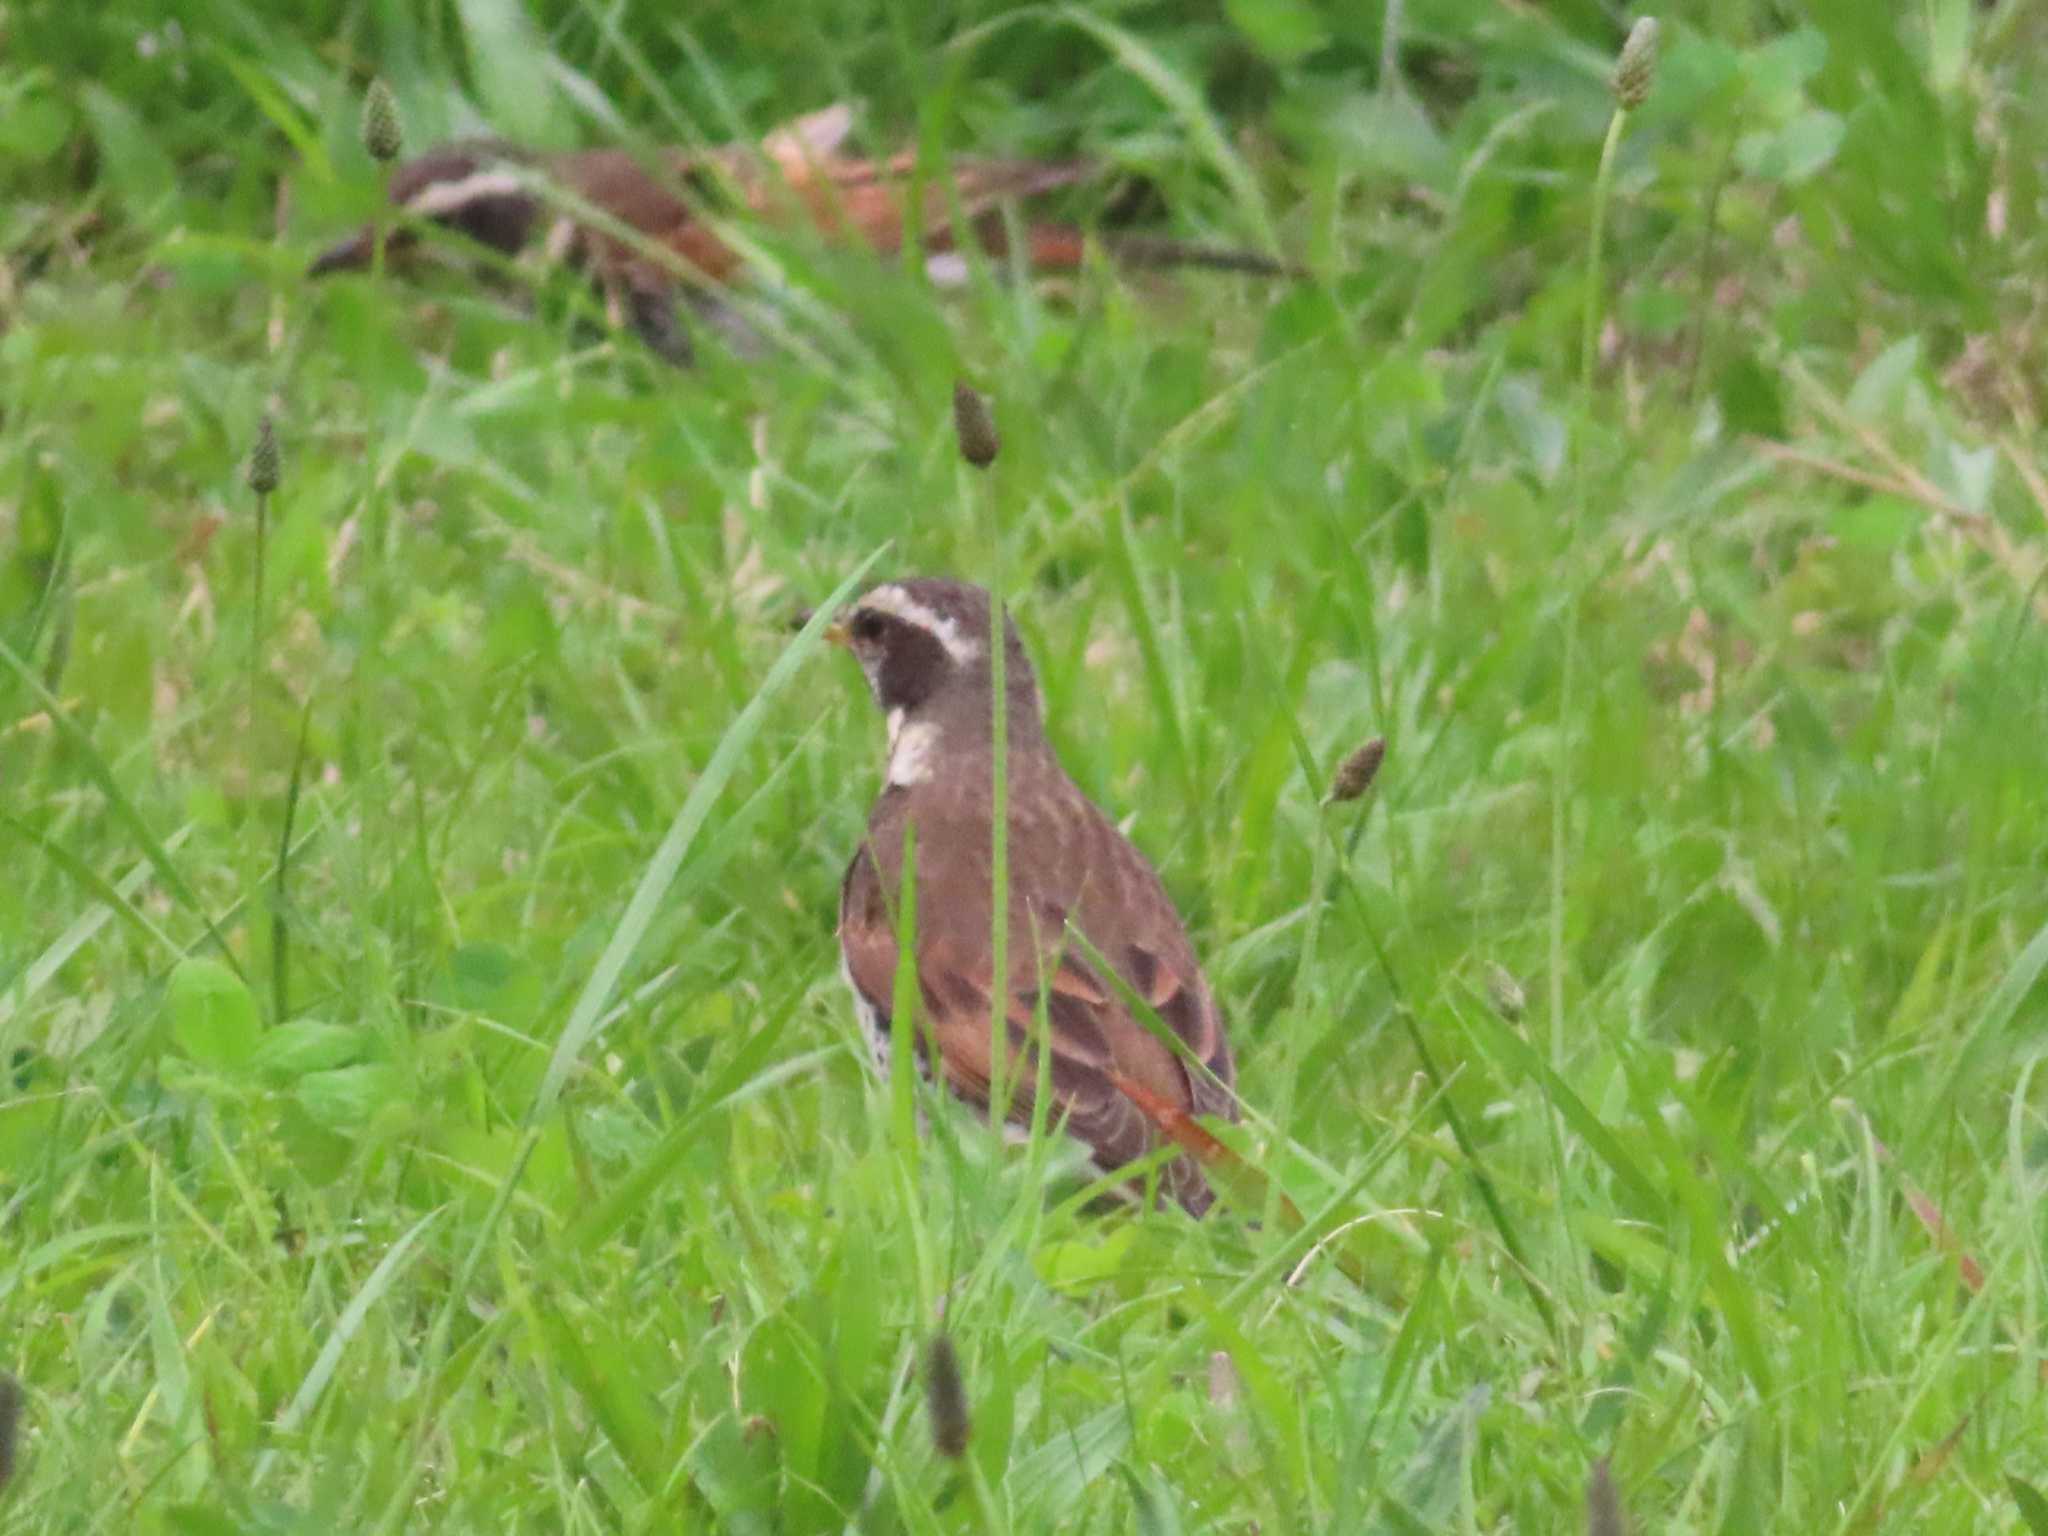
[(1096, 1050)]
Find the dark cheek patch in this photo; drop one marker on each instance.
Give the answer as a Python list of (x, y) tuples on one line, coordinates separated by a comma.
[(502, 223), (913, 665)]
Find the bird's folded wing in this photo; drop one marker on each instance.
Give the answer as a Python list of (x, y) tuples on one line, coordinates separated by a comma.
[(1089, 1033)]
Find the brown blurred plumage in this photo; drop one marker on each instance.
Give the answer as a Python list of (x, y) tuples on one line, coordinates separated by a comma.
[(925, 648), (643, 225)]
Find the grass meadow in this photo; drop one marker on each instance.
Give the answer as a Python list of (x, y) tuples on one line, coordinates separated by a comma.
[(431, 1103)]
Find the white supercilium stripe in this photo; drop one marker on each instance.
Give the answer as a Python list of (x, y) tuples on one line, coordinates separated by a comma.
[(437, 198), (900, 604)]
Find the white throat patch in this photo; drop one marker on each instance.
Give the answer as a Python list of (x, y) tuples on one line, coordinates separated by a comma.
[(947, 269), (560, 245), (911, 746), (896, 602)]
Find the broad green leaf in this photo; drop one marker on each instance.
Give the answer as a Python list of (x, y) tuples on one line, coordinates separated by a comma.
[(34, 126), (2033, 1504), (349, 1097), (1283, 30), (1053, 1478), (132, 156), (1751, 399), (1794, 153), (307, 1045), (1434, 1479), (1882, 522), (213, 1017), (1968, 474), (1948, 42), (1780, 69), (511, 63), (1390, 136), (1882, 383), (1155, 1509)]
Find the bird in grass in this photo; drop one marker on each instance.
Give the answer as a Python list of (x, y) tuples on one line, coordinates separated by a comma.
[(646, 227), (924, 646)]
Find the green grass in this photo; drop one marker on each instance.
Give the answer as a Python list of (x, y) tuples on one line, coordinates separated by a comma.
[(1656, 1057)]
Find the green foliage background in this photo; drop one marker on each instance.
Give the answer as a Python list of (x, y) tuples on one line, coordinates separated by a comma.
[(430, 1101)]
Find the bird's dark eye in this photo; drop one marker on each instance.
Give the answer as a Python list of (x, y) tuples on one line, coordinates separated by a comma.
[(867, 626)]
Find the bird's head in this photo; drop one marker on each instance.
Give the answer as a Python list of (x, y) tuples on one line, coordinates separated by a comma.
[(479, 188), (923, 646)]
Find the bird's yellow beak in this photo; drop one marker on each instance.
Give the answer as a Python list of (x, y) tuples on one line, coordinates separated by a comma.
[(835, 632)]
